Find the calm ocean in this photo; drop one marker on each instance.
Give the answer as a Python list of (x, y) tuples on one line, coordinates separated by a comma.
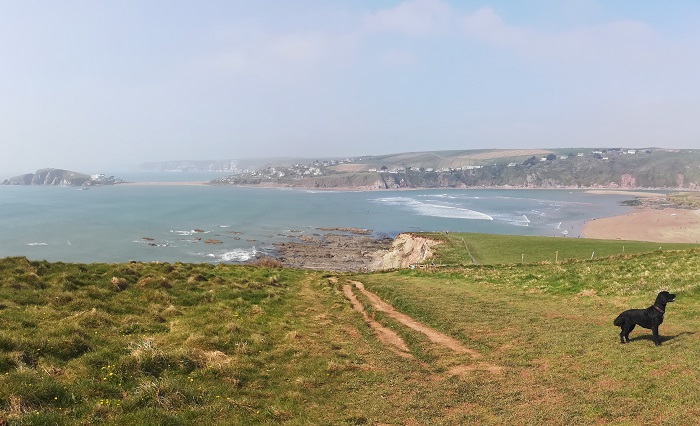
[(171, 223)]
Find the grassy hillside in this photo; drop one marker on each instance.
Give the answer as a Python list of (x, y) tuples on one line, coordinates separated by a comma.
[(533, 168), (188, 344), (453, 159)]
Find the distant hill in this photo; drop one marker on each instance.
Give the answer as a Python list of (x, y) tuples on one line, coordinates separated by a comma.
[(60, 177), (227, 165), (537, 168)]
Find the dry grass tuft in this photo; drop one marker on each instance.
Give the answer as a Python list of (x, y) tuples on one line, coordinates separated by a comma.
[(292, 335), (119, 284), (151, 281), (14, 406)]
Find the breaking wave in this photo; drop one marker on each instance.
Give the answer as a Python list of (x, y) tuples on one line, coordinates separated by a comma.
[(235, 255), (513, 219), (434, 209), (190, 232)]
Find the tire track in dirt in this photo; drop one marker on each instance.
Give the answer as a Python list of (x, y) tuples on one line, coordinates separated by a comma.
[(432, 334), (385, 335)]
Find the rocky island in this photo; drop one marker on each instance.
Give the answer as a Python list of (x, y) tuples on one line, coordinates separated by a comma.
[(60, 177)]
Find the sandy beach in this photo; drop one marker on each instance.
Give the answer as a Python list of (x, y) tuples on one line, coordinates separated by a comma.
[(663, 226)]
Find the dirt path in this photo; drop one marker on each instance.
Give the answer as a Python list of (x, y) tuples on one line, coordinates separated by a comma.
[(385, 335), (394, 341), (432, 334)]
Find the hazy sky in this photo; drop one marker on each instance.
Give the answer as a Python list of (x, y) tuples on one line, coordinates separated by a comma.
[(98, 84)]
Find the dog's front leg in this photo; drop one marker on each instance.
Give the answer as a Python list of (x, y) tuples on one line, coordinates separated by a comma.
[(655, 332)]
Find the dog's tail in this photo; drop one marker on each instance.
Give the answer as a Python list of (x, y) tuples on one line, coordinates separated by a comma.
[(619, 321)]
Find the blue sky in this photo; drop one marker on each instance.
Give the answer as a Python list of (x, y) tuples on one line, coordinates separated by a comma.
[(93, 85)]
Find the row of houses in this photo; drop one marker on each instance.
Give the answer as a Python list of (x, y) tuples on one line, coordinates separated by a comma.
[(329, 163)]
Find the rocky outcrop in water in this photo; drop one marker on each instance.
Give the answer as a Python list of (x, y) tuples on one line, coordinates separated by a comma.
[(60, 177), (355, 253), (332, 252)]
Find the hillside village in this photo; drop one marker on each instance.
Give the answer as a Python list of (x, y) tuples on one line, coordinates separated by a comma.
[(613, 167)]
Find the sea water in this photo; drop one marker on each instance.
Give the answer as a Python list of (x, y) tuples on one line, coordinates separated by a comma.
[(174, 222)]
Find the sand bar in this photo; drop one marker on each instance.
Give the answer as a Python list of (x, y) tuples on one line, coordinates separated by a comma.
[(661, 226), (163, 183), (624, 192)]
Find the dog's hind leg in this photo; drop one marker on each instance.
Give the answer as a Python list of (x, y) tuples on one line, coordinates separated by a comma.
[(626, 330)]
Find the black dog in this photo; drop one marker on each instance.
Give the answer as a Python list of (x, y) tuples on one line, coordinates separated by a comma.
[(650, 317)]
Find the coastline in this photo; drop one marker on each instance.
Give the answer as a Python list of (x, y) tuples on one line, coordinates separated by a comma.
[(669, 225), (656, 219), (632, 192), (164, 183), (647, 223)]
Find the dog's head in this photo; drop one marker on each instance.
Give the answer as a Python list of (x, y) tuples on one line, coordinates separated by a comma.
[(665, 297)]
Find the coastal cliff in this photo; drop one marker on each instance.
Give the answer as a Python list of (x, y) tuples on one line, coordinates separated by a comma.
[(60, 177), (406, 250)]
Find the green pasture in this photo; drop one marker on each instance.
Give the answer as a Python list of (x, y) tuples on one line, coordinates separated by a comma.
[(494, 249)]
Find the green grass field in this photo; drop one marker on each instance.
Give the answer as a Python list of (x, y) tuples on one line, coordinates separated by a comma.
[(162, 344), (492, 249)]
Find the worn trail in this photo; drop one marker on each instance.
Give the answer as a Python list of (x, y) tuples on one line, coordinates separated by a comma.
[(385, 335), (432, 334), (394, 341)]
